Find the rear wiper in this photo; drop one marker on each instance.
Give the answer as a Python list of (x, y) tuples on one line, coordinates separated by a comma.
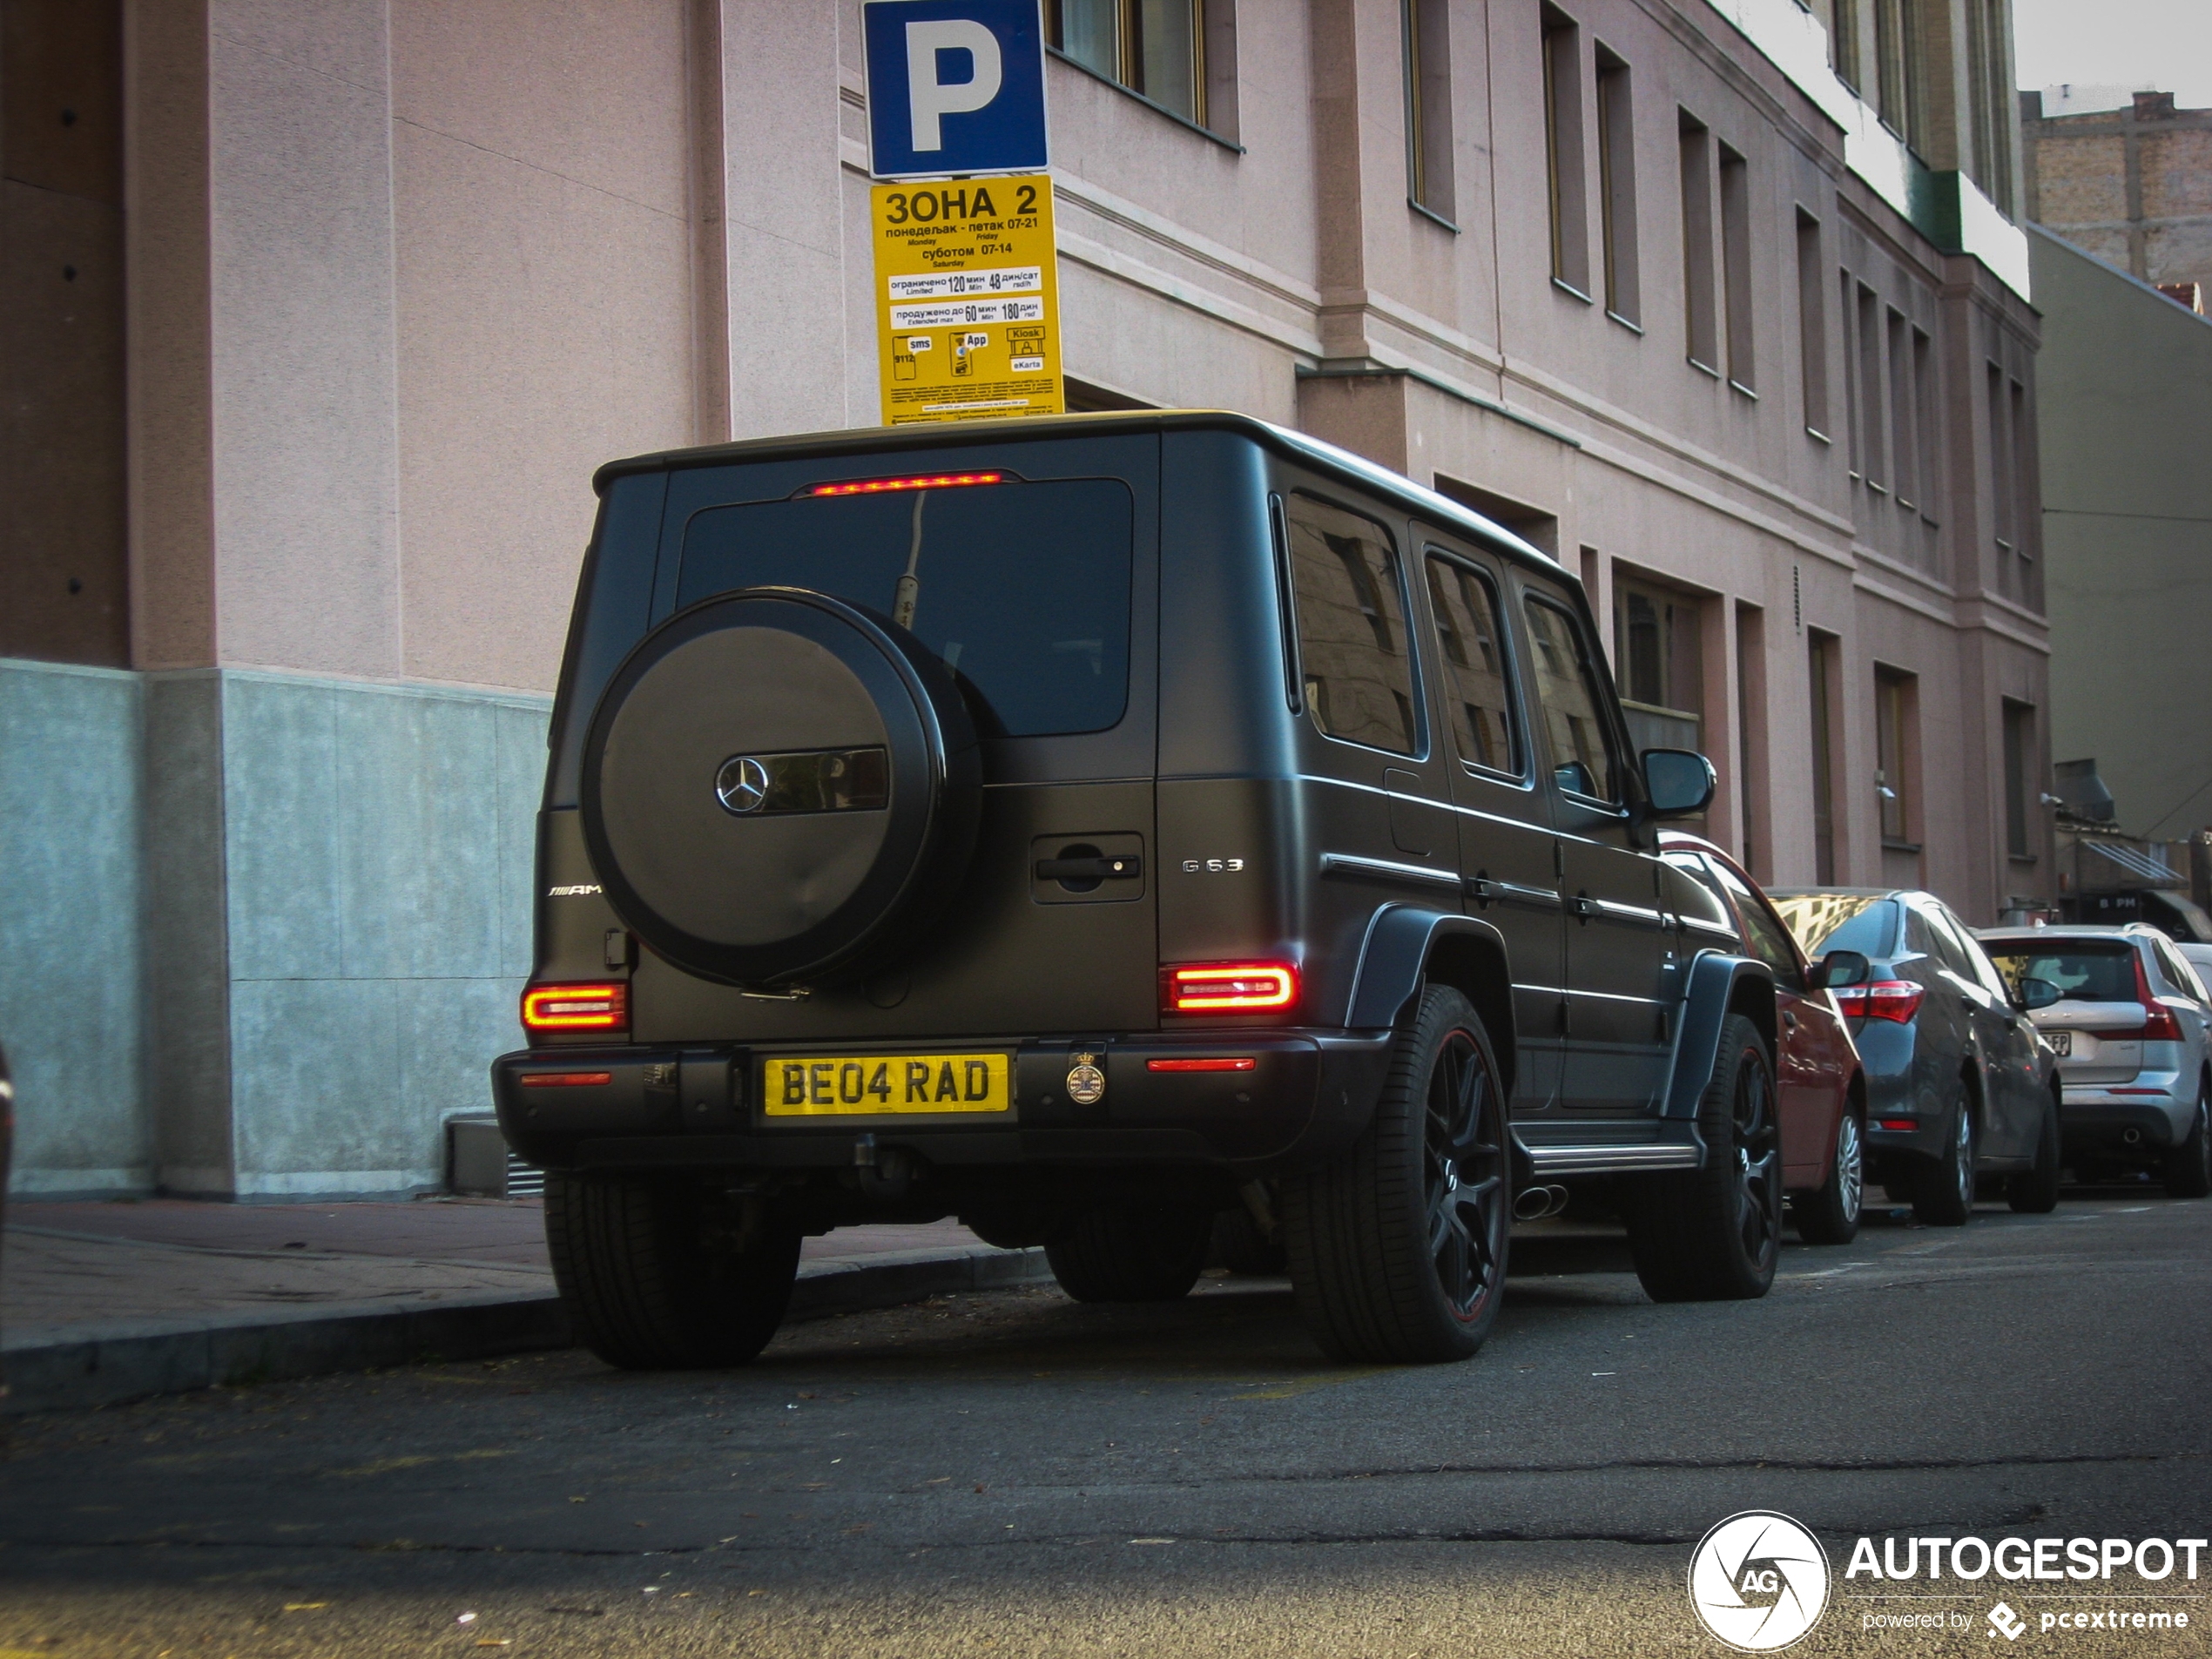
[(910, 590)]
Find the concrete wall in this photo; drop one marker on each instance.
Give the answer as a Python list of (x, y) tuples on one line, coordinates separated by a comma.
[(266, 932), (2126, 382)]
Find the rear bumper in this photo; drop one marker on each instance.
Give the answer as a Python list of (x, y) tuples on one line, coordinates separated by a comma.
[(2138, 1116), (1308, 1095)]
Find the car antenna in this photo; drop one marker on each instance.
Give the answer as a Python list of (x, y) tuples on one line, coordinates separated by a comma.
[(902, 607)]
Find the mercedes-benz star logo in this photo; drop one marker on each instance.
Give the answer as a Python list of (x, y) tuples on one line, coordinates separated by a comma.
[(1758, 1580), (742, 784)]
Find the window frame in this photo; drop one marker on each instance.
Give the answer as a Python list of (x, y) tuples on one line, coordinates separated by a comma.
[(1516, 709), (1587, 663), (1416, 668)]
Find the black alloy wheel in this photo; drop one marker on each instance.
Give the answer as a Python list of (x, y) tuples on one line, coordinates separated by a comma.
[(1714, 1233), (1398, 1248), (1463, 1178)]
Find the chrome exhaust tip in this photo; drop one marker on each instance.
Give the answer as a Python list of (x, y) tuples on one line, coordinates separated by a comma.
[(1536, 1203)]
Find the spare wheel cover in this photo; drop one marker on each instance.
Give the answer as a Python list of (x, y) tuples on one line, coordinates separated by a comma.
[(778, 787)]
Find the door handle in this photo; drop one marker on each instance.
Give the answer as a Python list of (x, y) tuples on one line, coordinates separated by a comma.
[(1788, 1019), (1124, 868), (1583, 906)]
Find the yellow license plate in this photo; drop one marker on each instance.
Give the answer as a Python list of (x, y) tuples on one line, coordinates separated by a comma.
[(860, 1085)]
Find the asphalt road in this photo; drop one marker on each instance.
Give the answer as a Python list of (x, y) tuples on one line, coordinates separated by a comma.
[(1014, 1474)]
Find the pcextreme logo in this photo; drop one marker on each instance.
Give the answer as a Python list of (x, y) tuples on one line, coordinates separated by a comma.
[(1758, 1580)]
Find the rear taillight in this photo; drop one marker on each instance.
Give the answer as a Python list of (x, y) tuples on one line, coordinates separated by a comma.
[(576, 1008), (1884, 999), (2159, 1023), (1228, 988)]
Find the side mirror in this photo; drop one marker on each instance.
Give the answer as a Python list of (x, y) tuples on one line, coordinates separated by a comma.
[(2034, 994), (1837, 969), (1677, 783)]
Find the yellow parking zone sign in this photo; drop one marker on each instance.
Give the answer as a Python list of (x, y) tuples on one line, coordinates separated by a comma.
[(968, 301)]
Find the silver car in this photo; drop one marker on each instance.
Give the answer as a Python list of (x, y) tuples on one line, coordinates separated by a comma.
[(2129, 1025)]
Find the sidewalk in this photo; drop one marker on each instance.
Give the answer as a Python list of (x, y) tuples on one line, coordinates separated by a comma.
[(101, 1303)]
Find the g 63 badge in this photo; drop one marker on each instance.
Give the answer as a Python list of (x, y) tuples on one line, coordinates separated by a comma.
[(1086, 1082)]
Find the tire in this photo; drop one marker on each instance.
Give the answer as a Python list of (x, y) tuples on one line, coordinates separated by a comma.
[(657, 1276), (1116, 1254), (1398, 1248), (1943, 1193), (1240, 1247), (2036, 1193), (1714, 1234), (2188, 1168), (1829, 1216)]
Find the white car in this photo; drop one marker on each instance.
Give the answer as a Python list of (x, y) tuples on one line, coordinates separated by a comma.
[(2129, 1027)]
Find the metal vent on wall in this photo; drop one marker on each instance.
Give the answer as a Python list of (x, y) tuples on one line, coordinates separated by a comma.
[(480, 1164)]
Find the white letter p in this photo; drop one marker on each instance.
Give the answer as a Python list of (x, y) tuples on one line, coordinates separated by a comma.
[(927, 97)]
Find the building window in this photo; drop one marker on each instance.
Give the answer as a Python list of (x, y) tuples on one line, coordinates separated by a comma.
[(1903, 479), (2020, 747), (1353, 657), (1750, 738), (1927, 431), (1812, 325), (1736, 266), (1155, 48), (1846, 313), (1821, 661), (1564, 150), (2000, 472), (1656, 657), (1428, 106), (1893, 714), (1616, 184), (1698, 290), (1843, 42), (2024, 490), (1874, 445), (1897, 68)]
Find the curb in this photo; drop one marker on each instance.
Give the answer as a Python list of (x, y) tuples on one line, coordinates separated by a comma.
[(114, 1364)]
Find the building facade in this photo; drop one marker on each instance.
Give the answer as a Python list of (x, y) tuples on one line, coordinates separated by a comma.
[(2128, 529), (323, 316), (2132, 185)]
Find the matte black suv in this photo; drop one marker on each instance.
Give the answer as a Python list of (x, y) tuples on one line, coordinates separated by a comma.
[(1084, 827)]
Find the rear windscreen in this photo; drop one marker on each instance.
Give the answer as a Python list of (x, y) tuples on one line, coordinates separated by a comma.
[(2084, 973), (1826, 922), (1023, 589)]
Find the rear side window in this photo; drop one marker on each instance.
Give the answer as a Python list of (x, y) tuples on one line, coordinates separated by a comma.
[(2175, 969), (1354, 653), (1769, 939), (1826, 922), (1023, 589), (1477, 691), (1567, 681), (2085, 973)]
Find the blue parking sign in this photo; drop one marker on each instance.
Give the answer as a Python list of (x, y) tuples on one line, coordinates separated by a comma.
[(955, 86)]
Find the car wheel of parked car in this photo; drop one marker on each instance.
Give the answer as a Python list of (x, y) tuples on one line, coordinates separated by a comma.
[(2036, 1193), (1121, 1253), (1714, 1234), (662, 1275), (1829, 1216), (1943, 1193), (2188, 1166), (1397, 1250), (1240, 1247)]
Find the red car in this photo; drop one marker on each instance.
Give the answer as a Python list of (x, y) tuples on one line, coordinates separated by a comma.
[(1822, 1092)]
